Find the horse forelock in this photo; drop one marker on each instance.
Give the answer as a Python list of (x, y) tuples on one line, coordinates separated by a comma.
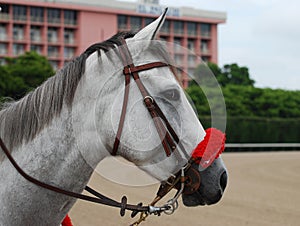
[(22, 120)]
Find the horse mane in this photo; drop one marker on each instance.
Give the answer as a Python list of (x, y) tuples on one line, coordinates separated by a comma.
[(22, 120)]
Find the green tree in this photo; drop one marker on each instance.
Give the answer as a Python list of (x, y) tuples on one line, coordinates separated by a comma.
[(231, 74), (24, 73)]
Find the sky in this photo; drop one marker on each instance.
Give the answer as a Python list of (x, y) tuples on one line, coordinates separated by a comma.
[(263, 35)]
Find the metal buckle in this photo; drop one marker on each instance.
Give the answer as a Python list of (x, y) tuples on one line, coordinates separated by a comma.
[(150, 98)]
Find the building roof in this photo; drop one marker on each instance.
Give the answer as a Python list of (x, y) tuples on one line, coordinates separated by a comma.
[(134, 6)]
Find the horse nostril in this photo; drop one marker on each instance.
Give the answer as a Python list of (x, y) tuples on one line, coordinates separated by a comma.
[(223, 180)]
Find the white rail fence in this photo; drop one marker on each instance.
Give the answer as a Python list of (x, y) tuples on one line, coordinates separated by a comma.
[(262, 146)]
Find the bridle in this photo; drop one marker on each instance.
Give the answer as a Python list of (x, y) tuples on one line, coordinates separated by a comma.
[(164, 129), (169, 140)]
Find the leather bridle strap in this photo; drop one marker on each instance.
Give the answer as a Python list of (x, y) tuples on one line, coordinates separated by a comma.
[(163, 127), (100, 200)]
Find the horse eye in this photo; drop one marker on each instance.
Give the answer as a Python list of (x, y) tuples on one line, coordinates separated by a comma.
[(172, 94)]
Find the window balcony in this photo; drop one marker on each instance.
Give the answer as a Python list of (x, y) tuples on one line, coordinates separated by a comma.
[(36, 38), (178, 31), (3, 50), (192, 33), (18, 37), (206, 35), (3, 37), (70, 22), (53, 54), (205, 51), (22, 18), (18, 49), (4, 17), (36, 19), (54, 20)]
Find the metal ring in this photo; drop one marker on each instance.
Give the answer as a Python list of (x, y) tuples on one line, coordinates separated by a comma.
[(171, 208), (150, 98)]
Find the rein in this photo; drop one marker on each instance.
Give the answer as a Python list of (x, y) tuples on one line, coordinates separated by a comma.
[(101, 199)]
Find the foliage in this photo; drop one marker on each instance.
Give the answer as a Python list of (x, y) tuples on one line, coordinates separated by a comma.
[(231, 74), (253, 114), (249, 101), (241, 129), (23, 74), (241, 97)]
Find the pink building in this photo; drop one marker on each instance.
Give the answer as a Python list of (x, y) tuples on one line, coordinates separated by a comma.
[(62, 29)]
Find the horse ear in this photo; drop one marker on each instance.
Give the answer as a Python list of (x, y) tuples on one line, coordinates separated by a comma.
[(150, 31)]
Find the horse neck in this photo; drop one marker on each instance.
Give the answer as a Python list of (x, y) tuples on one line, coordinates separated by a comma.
[(52, 157)]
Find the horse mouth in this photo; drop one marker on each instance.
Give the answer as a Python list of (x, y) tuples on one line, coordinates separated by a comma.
[(196, 199)]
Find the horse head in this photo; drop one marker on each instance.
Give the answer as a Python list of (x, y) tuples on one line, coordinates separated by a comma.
[(139, 139)]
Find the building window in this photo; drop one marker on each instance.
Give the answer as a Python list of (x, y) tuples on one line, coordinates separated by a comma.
[(163, 38), (69, 52), (177, 44), (4, 15), (191, 72), (36, 14), (148, 21), (178, 58), (70, 17), (178, 27), (3, 49), (69, 36), (2, 61), (191, 44), (36, 48), (18, 49), (205, 30), (53, 16), (18, 32), (52, 35), (192, 28), (205, 59), (135, 23), (53, 51), (54, 64), (3, 31), (191, 61), (122, 22), (19, 12), (166, 27), (204, 47), (35, 34)]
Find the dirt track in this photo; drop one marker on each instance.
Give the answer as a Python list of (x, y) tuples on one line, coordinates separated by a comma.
[(263, 190)]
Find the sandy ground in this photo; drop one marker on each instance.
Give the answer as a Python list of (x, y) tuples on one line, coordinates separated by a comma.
[(263, 190)]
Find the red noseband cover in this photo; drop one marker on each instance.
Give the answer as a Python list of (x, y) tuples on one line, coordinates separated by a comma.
[(210, 147)]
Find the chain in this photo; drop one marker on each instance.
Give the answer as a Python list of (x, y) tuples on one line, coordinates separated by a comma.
[(169, 208)]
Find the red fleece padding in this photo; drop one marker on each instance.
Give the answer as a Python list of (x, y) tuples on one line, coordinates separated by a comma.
[(67, 221), (210, 147)]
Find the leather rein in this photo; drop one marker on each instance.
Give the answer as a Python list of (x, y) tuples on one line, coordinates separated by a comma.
[(169, 141)]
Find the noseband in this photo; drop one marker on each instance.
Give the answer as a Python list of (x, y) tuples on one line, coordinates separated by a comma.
[(169, 141)]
